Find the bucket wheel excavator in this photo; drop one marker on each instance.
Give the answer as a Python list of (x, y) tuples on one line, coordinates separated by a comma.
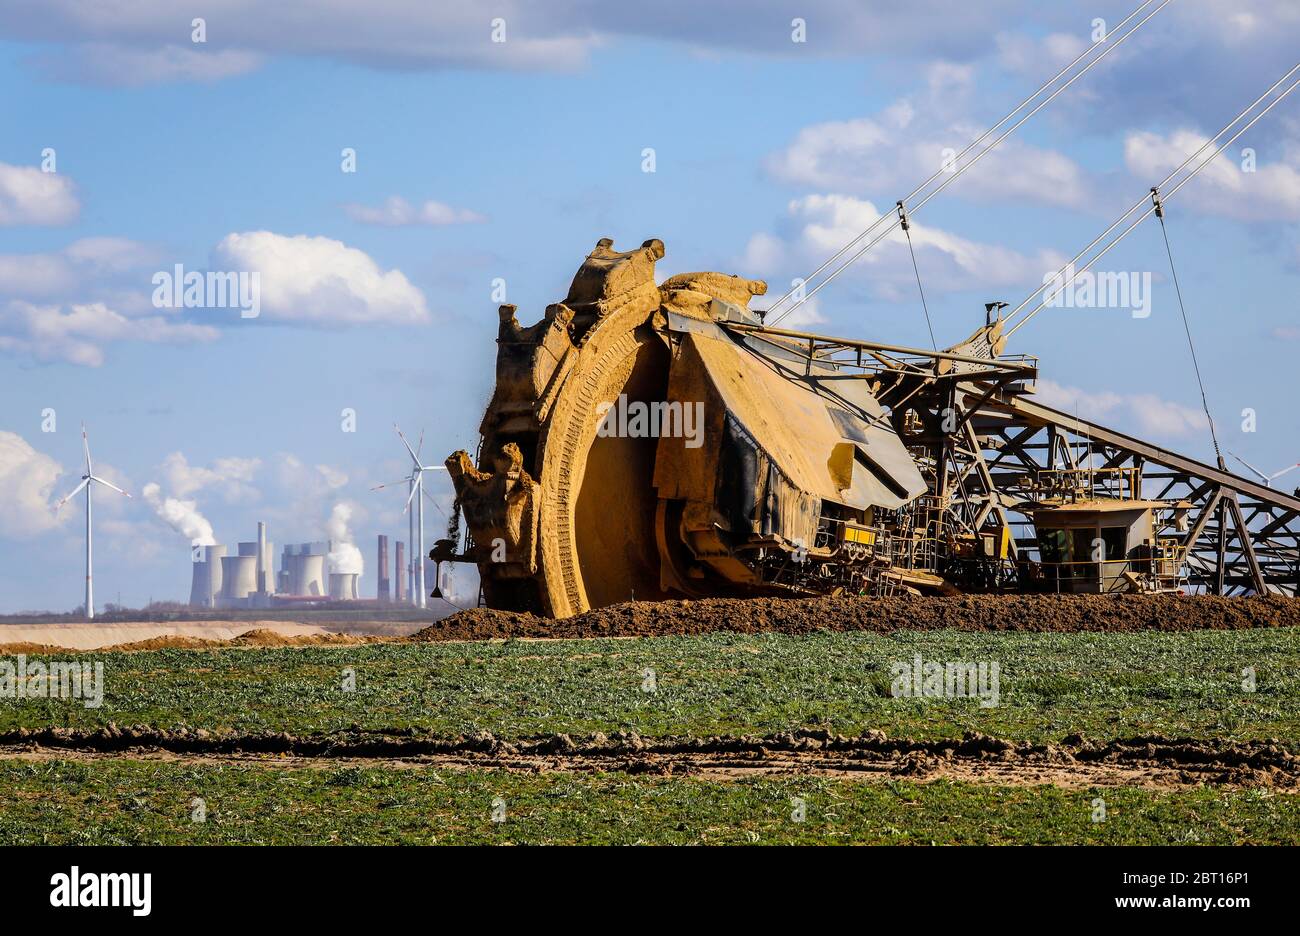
[(649, 442)]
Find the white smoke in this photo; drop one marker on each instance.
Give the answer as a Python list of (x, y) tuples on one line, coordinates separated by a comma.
[(181, 515), (344, 555)]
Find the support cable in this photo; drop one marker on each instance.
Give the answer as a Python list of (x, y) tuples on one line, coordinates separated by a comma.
[(1159, 208), (1168, 195), (907, 230), (970, 146), (1141, 201), (954, 175)]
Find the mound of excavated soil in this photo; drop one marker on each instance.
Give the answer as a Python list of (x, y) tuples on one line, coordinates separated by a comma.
[(801, 616), (252, 638)]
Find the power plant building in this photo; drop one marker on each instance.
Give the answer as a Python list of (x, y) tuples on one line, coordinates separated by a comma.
[(248, 578)]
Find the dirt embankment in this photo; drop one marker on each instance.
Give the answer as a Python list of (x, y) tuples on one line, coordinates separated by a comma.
[(1073, 762), (802, 616), (792, 616)]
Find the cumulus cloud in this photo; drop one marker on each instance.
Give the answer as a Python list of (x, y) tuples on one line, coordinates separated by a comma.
[(1149, 413), (181, 515), (30, 196), (230, 476), (1271, 192), (321, 281), (398, 212), (27, 478), (75, 334), (818, 225), (84, 265), (890, 153)]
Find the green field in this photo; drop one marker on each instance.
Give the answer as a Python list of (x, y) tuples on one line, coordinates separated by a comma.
[(123, 801), (1102, 685)]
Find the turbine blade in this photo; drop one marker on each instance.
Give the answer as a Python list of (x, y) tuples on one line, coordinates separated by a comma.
[(1284, 471), (85, 445), (75, 491), (414, 487), (436, 506), (414, 457), (380, 487), (109, 484), (1260, 474)]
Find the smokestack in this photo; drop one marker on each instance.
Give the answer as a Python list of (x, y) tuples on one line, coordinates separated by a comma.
[(263, 580), (382, 592), (401, 572)]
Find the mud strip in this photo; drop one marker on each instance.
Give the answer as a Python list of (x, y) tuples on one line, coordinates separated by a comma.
[(1153, 762)]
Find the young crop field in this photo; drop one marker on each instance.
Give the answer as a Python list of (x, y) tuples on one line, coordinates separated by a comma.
[(1181, 737), (1101, 685)]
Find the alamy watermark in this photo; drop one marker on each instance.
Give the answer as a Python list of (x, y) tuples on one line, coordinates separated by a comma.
[(954, 679), (215, 289), (635, 419), (1068, 289), (52, 679)]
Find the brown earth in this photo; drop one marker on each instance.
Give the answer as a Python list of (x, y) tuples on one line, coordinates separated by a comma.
[(1075, 762), (795, 616), (806, 615)]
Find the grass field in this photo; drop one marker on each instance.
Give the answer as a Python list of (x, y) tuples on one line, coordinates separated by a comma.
[(123, 801), (1103, 685), (1115, 685)]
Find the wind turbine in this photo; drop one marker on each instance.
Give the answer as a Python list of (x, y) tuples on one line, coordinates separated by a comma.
[(415, 518), (86, 482), (1267, 479)]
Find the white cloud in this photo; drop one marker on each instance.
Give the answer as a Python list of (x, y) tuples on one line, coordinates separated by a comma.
[(85, 264), (232, 476), (321, 281), (819, 225), (1146, 411), (896, 150), (30, 196), (27, 478), (100, 63), (398, 212), (75, 334), (1270, 193)]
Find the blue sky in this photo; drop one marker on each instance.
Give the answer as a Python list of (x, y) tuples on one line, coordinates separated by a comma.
[(766, 151)]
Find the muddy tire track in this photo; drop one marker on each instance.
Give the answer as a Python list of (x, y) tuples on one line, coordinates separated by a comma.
[(1074, 762)]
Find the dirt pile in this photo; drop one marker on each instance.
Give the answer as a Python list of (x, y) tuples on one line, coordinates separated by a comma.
[(801, 616)]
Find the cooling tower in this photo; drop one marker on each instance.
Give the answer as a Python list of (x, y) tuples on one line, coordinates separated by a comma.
[(239, 575), (383, 589), (401, 571), (207, 577), (343, 586), (307, 575)]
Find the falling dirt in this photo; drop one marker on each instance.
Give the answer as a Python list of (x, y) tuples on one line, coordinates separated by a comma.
[(1075, 762)]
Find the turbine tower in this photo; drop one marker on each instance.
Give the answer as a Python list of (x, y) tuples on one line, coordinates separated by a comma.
[(88, 481), (415, 518)]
